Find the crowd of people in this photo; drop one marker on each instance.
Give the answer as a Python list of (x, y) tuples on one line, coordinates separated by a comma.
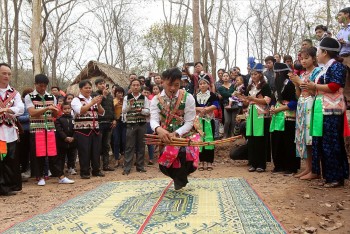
[(287, 111)]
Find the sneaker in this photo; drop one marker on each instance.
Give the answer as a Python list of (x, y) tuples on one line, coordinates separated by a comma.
[(251, 169), (41, 182), (72, 171), (65, 180), (27, 173), (25, 176), (49, 173), (259, 169)]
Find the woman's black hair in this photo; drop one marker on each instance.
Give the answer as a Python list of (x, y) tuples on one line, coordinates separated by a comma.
[(118, 89), (68, 94), (83, 83), (345, 10), (260, 85), (280, 80)]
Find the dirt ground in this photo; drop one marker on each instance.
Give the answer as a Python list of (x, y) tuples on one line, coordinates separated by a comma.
[(300, 206)]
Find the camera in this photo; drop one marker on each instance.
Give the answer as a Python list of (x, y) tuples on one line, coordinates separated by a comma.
[(190, 64)]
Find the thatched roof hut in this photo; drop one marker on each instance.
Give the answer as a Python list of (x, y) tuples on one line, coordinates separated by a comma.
[(95, 70)]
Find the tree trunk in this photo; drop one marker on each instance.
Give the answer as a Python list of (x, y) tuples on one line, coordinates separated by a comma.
[(328, 12), (35, 37), (8, 45), (17, 7), (196, 31)]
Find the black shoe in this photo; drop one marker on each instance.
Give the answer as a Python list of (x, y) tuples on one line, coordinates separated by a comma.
[(126, 172), (100, 174), (85, 176), (277, 171), (177, 186), (150, 163), (11, 193), (141, 170), (108, 169)]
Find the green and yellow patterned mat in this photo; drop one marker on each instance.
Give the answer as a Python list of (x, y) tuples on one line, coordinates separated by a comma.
[(227, 205)]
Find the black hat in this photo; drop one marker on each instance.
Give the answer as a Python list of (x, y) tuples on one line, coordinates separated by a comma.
[(278, 67), (329, 44), (204, 77)]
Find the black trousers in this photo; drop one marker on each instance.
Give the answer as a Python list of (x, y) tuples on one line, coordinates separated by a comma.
[(10, 172), (40, 161), (179, 175), (259, 150), (283, 149), (239, 152), (71, 153), (23, 150), (89, 148), (106, 133)]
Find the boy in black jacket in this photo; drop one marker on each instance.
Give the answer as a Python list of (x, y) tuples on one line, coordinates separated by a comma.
[(66, 145)]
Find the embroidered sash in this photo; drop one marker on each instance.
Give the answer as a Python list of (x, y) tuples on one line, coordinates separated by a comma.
[(45, 143), (208, 134), (3, 150), (255, 123)]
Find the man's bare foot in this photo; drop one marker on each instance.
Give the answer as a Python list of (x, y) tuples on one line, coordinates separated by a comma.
[(310, 176), (305, 172)]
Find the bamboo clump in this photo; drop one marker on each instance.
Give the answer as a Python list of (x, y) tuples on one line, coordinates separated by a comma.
[(175, 141)]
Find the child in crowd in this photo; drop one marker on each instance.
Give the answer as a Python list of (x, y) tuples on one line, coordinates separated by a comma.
[(146, 92), (60, 101), (306, 99), (239, 121), (119, 132), (234, 101), (155, 91), (66, 145)]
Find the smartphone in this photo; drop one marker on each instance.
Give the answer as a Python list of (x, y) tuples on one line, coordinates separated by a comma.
[(107, 86)]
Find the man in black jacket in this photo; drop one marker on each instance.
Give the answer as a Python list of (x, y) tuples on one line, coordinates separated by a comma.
[(106, 122)]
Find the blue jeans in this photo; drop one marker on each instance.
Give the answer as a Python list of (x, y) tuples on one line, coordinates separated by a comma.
[(150, 147), (119, 136)]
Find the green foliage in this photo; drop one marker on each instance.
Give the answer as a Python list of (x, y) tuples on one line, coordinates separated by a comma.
[(168, 44)]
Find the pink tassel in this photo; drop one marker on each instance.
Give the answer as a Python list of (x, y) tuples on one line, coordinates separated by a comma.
[(51, 143), (40, 143)]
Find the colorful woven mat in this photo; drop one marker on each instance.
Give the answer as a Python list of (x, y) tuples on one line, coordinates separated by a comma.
[(227, 205)]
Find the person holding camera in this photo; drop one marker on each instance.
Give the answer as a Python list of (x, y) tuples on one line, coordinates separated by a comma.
[(107, 121), (86, 129), (198, 72)]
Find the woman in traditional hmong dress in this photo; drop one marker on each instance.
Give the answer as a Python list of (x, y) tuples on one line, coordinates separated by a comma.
[(306, 98), (327, 126), (257, 128), (206, 103), (282, 125)]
